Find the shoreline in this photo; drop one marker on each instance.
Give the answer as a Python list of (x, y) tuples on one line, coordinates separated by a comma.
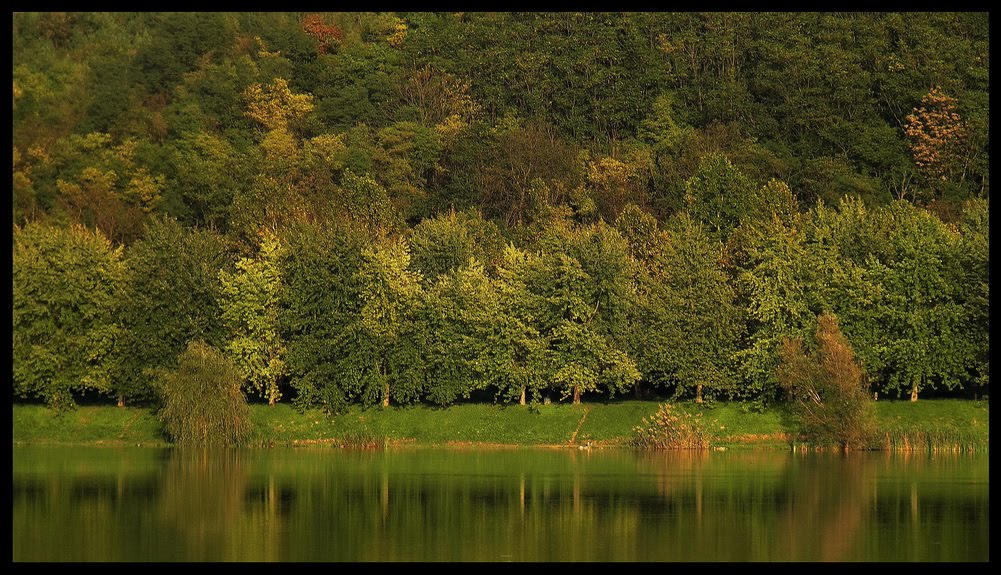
[(936, 424)]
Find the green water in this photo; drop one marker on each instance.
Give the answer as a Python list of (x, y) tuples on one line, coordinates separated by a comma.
[(325, 504)]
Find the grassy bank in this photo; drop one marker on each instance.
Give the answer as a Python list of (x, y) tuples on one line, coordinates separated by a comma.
[(940, 424)]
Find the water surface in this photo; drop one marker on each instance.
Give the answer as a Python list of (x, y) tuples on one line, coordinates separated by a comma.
[(326, 504)]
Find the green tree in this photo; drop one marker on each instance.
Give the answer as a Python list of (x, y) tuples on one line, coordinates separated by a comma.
[(206, 171), (389, 292), (320, 300), (368, 203), (67, 286), (719, 195), (559, 300), (250, 298), (447, 241), (683, 323), (171, 297), (919, 317), (975, 252), (783, 282), (905, 311), (451, 324), (512, 350)]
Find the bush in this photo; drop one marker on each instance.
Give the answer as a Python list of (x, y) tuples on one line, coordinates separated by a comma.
[(829, 397), (672, 429), (203, 403)]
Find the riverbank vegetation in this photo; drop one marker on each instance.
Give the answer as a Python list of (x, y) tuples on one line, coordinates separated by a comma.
[(935, 424), (413, 209)]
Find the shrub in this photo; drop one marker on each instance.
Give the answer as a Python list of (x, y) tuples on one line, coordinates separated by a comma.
[(829, 397), (203, 403), (672, 429)]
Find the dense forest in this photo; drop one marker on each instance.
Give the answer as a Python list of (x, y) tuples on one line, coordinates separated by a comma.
[(399, 208)]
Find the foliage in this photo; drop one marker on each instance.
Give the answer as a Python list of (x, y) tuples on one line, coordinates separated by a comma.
[(275, 106), (328, 36), (202, 401), (171, 296), (250, 299), (531, 206), (67, 285), (683, 322), (908, 317), (672, 428), (719, 195), (389, 292), (318, 266), (937, 135), (829, 394), (444, 243)]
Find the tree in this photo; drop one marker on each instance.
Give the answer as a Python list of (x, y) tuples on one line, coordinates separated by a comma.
[(783, 282), (829, 395), (67, 286), (389, 291), (450, 324), (719, 194), (704, 308), (614, 183), (275, 106), (328, 36), (938, 136), (446, 242), (171, 297), (559, 300), (206, 173), (250, 298), (682, 324), (406, 159), (975, 252), (904, 305), (513, 350), (919, 316), (320, 300), (437, 97), (367, 203), (202, 401), (525, 160)]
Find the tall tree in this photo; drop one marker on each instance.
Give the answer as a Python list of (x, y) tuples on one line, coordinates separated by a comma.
[(389, 292), (171, 297), (320, 299), (250, 297), (67, 286)]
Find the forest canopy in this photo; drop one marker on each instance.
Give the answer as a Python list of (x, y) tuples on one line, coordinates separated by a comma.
[(392, 208)]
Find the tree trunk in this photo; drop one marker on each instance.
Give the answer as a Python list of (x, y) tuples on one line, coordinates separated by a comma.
[(121, 401), (914, 392), (385, 385), (522, 400), (271, 401), (576, 395), (698, 393)]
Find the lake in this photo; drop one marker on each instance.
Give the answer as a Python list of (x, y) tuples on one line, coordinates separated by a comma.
[(425, 504)]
